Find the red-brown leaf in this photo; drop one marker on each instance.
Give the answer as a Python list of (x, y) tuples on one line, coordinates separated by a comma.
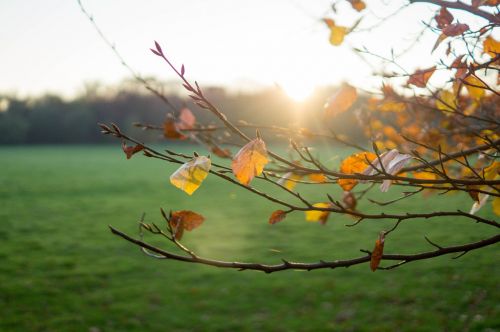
[(131, 150), (455, 29), (421, 76), (184, 220), (377, 252), (277, 216), (444, 18)]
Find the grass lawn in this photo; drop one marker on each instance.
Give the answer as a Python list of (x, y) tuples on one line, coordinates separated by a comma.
[(62, 270)]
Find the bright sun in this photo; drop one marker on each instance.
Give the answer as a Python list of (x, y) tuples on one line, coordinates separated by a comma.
[(297, 90)]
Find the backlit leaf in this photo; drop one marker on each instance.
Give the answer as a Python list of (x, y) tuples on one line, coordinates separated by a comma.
[(186, 119), (184, 220), (317, 177), (337, 33), (446, 101), (289, 180), (170, 130), (421, 76), (444, 18), (355, 163), (341, 101), (191, 174), (491, 46), (377, 252), (321, 216), (475, 87), (277, 216), (250, 161)]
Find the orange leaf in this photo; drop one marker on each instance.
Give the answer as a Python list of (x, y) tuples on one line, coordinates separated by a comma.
[(250, 161), (444, 18), (184, 220), (337, 33), (355, 163), (377, 252), (277, 216), (131, 150), (421, 76), (474, 86), (318, 177), (358, 5), (341, 101), (491, 46)]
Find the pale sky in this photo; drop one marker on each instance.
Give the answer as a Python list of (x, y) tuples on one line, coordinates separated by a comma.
[(50, 46)]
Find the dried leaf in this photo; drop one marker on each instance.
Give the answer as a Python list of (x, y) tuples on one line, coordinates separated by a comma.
[(491, 46), (341, 101), (444, 18), (392, 161), (277, 216), (250, 161), (222, 153), (377, 252), (421, 76), (191, 174), (170, 130), (131, 150), (349, 201), (355, 163), (456, 29), (321, 216), (184, 220)]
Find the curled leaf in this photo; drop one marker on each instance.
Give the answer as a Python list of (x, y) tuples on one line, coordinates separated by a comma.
[(277, 216), (131, 150), (184, 220), (250, 161), (355, 163), (392, 162), (321, 216), (377, 252), (341, 101), (191, 174)]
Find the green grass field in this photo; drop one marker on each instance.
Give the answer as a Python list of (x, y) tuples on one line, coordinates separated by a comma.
[(62, 270)]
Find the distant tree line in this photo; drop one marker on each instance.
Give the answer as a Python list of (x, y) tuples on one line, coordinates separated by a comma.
[(50, 119)]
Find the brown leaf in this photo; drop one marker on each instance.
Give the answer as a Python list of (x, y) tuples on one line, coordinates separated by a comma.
[(421, 76), (341, 101), (349, 201), (250, 161), (131, 150), (170, 130), (377, 252), (277, 216), (221, 153), (444, 18), (184, 220), (455, 29)]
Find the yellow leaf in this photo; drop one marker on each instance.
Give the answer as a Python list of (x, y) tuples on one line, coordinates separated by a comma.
[(496, 205), (191, 174), (337, 34), (425, 176), (322, 216), (289, 180), (492, 171), (250, 161), (318, 177), (475, 87), (491, 46), (341, 101), (446, 101)]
